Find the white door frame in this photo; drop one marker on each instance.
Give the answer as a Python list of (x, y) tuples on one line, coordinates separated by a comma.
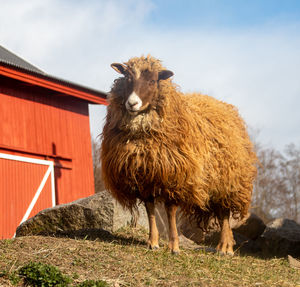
[(49, 172)]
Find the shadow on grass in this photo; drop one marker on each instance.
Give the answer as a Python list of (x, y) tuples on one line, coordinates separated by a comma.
[(101, 235), (245, 247), (131, 236)]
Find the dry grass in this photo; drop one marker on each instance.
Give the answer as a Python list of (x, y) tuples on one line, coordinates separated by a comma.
[(122, 259)]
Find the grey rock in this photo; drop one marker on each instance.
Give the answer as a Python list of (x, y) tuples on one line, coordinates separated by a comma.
[(96, 212), (245, 232), (100, 214), (252, 228), (185, 226), (187, 243), (245, 245), (294, 263), (281, 238)]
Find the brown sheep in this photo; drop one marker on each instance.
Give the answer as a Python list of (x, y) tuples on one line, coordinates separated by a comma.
[(190, 150)]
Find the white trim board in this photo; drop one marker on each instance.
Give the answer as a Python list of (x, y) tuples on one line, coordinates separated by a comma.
[(25, 159), (49, 172)]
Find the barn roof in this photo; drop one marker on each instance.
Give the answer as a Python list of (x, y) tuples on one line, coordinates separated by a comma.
[(14, 60), (15, 67)]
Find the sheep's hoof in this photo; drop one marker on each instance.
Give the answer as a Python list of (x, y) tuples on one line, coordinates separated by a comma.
[(153, 247), (227, 253), (224, 249), (174, 247)]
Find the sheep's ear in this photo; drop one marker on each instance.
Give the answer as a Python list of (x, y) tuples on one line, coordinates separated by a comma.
[(165, 74), (119, 68)]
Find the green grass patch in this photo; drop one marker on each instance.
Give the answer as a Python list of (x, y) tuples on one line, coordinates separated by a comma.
[(44, 275), (93, 283)]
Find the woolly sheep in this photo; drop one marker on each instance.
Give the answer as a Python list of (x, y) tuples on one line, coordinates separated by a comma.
[(186, 150)]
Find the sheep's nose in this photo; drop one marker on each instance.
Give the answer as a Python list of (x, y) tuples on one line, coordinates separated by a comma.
[(134, 102)]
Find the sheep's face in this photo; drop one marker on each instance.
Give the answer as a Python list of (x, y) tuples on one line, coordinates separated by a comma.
[(142, 88)]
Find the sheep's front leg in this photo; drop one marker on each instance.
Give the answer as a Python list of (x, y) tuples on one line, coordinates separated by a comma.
[(226, 242), (153, 232), (173, 235)]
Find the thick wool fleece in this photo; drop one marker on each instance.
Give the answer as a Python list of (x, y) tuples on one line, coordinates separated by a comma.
[(189, 148)]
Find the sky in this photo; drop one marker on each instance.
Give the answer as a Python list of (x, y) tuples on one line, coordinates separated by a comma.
[(246, 53)]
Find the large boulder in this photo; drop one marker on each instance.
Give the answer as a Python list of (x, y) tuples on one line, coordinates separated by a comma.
[(100, 212), (281, 238), (245, 231), (83, 216), (252, 228), (249, 227), (88, 215), (246, 234)]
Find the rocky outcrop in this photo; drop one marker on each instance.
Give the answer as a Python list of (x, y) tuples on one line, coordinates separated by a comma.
[(97, 215), (294, 263), (252, 228), (280, 238), (246, 234), (96, 212)]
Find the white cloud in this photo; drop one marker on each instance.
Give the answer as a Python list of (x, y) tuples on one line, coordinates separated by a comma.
[(257, 70), (66, 37)]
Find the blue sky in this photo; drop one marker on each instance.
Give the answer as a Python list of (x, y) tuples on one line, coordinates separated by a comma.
[(221, 13), (244, 52)]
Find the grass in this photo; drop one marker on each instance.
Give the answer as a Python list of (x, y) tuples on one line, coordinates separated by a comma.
[(122, 259)]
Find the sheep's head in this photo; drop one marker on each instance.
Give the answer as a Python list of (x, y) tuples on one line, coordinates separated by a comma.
[(142, 77)]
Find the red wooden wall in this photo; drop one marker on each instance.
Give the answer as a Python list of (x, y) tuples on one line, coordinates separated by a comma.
[(19, 183), (41, 123)]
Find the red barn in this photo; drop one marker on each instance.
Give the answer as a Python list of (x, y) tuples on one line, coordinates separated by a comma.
[(45, 141)]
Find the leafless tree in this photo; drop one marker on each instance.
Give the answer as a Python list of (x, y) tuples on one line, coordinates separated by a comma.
[(97, 166), (291, 173), (269, 184), (277, 188)]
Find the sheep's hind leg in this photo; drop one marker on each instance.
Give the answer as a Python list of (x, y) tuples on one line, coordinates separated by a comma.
[(173, 235), (226, 241), (153, 232)]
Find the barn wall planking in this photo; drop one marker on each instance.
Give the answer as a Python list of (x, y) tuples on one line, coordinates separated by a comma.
[(39, 120), (18, 185), (35, 119)]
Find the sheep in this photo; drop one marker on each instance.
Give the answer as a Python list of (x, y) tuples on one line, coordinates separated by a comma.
[(186, 150)]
